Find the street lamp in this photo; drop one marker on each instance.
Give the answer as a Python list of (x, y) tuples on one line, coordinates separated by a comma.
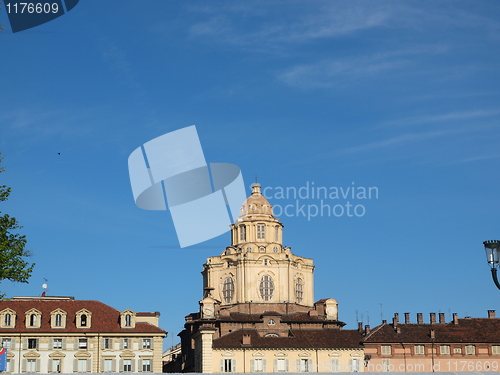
[(492, 249)]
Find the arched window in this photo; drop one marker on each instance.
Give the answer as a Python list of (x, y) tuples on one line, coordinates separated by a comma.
[(7, 320), (261, 231), (299, 290), (33, 320), (266, 288), (243, 233), (83, 320), (276, 233), (228, 289), (128, 321), (58, 320)]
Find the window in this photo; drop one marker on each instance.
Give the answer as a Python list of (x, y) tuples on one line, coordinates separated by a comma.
[(419, 350), (271, 322), (31, 365), (6, 343), (32, 343), (146, 343), (281, 365), (82, 365), (127, 365), (305, 365), (7, 320), (243, 233), (58, 320), (82, 343), (33, 320), (276, 233), (354, 365), (125, 343), (457, 350), (56, 365), (8, 367), (128, 320), (495, 349), (83, 320), (299, 290), (108, 365), (266, 262), (261, 231), (107, 344), (386, 350), (228, 365), (266, 288), (386, 364), (275, 249), (146, 365), (57, 344), (470, 349), (258, 365), (228, 289), (249, 249), (335, 365), (444, 349)]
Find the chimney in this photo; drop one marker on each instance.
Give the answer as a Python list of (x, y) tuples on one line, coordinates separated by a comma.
[(420, 320), (455, 318), (433, 334), (398, 329), (246, 340), (407, 318), (491, 314), (441, 318), (367, 329), (360, 326), (433, 318), (395, 320)]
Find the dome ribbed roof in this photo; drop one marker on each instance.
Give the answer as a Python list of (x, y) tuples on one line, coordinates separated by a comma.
[(256, 204)]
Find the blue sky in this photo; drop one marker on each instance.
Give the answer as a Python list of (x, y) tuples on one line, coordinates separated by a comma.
[(401, 96)]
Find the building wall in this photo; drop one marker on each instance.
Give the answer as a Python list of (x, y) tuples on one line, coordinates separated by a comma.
[(318, 360)]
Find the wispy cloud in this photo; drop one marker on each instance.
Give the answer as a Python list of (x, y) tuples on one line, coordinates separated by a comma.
[(396, 141), (443, 117)]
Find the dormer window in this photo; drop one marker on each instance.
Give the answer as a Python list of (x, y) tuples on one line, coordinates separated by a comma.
[(261, 231), (83, 319), (271, 322), (127, 319), (58, 319), (7, 318), (33, 318)]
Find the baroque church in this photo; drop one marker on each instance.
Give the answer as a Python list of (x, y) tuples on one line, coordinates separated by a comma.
[(258, 312)]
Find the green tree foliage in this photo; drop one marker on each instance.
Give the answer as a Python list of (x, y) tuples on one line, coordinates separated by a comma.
[(13, 265)]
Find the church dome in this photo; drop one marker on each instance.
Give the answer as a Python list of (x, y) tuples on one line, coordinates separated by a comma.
[(256, 205)]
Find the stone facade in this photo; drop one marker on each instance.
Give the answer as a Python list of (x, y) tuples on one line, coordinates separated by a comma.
[(258, 312)]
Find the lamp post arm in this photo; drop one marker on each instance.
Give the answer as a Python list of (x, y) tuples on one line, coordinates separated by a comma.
[(495, 278)]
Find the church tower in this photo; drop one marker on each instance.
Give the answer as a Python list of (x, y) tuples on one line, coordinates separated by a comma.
[(257, 272)]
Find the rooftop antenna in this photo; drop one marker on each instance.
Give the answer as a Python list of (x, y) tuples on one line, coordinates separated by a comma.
[(45, 287), (381, 313), (357, 318), (368, 317), (256, 179)]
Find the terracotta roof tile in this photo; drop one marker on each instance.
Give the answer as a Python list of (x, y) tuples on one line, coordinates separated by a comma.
[(104, 317), (321, 338), (472, 330)]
